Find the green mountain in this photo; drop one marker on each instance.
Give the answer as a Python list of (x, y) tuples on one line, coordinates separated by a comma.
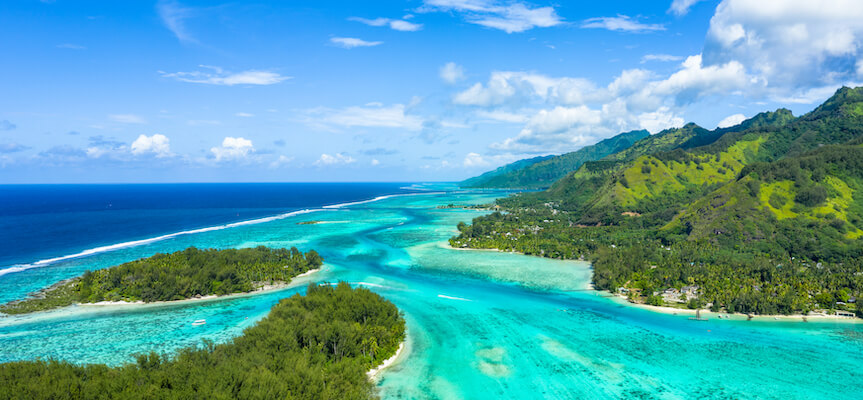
[(746, 213), (541, 172)]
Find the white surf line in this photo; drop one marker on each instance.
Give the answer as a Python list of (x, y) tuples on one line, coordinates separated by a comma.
[(342, 205), (133, 243), (452, 298)]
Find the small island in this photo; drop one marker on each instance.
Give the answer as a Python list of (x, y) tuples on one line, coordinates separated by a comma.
[(186, 274), (317, 346)]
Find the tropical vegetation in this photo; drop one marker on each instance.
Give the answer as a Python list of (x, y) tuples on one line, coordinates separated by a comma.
[(764, 217), (181, 275), (317, 346)]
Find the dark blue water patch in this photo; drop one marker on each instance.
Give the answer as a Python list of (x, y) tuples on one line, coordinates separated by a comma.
[(45, 221)]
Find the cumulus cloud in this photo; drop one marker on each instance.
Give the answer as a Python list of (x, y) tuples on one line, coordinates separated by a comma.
[(336, 159), (372, 115), (681, 7), (621, 23), (217, 76), (451, 73), (350, 43), (513, 87), (731, 120), (5, 125), (575, 112), (127, 119), (281, 161), (792, 45), (233, 149), (509, 17), (394, 24), (157, 145), (244, 115), (375, 162), (695, 80), (474, 160)]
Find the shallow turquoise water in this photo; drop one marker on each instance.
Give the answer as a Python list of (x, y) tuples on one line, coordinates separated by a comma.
[(481, 324)]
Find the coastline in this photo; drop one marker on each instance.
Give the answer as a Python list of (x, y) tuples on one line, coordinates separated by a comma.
[(374, 374), (704, 312), (295, 281)]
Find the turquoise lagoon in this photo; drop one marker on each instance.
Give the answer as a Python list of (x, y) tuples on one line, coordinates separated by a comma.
[(481, 324)]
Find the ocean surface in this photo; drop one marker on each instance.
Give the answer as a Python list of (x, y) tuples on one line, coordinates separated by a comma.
[(481, 324)]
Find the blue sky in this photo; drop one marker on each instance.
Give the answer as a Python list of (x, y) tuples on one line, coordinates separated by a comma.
[(199, 91)]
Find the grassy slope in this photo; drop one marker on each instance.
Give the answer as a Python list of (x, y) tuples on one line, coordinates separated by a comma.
[(541, 172)]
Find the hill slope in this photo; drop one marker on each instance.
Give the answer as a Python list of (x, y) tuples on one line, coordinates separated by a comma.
[(746, 213), (541, 172)]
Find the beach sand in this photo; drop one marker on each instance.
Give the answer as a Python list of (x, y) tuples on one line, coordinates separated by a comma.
[(705, 313), (374, 374)]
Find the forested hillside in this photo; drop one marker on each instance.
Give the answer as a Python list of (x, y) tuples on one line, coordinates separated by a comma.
[(754, 214), (317, 346), (541, 172)]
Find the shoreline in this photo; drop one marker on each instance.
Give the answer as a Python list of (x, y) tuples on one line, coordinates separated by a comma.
[(375, 373), (726, 316), (617, 298), (260, 290)]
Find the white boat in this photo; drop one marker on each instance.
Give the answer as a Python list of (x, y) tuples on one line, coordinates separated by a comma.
[(199, 322)]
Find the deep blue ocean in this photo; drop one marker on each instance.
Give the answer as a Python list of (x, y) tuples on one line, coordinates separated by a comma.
[(39, 222)]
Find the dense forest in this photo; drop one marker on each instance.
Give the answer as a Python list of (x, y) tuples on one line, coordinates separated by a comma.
[(541, 172), (765, 217), (317, 346), (181, 275)]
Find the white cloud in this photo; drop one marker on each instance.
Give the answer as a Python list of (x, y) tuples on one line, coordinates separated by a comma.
[(659, 120), (395, 24), (696, 80), (509, 17), (575, 112), (731, 120), (502, 116), (244, 115), (233, 148), (792, 45), (157, 145), (660, 57), (337, 159), (621, 23), (451, 73), (350, 43), (127, 119), (372, 115), (218, 76), (174, 17), (681, 7), (281, 161), (513, 87), (375, 162), (474, 160)]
